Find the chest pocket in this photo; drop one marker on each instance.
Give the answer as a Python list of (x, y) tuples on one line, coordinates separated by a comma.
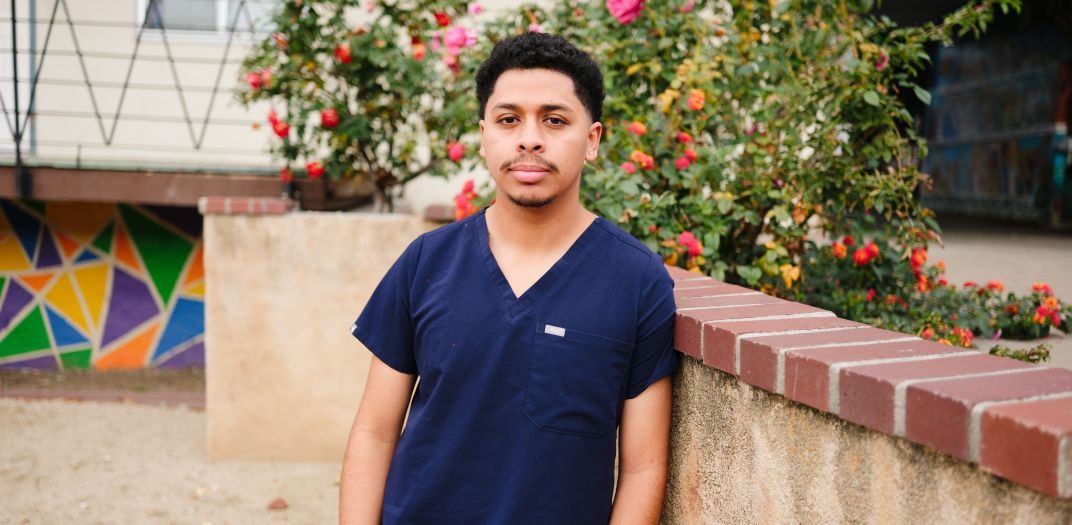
[(575, 381)]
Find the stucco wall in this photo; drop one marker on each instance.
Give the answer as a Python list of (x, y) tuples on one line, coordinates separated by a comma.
[(284, 376), (740, 454)]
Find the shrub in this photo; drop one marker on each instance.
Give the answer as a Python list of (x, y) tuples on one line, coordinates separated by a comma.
[(371, 102)]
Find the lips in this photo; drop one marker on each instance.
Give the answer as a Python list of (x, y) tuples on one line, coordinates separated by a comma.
[(528, 173)]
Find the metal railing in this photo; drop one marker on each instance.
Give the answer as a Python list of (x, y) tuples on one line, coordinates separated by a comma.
[(21, 115)]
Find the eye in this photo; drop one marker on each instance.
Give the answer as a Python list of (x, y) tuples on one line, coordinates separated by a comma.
[(508, 120), (555, 121)]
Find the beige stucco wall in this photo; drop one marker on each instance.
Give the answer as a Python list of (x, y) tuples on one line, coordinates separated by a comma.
[(284, 376), (742, 455)]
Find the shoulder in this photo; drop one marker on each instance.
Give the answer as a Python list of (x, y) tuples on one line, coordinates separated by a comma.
[(631, 255)]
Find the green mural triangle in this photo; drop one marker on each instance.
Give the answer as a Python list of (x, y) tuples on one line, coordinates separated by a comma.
[(163, 251), (76, 358), (38, 206), (103, 241), (28, 336), (3, 281)]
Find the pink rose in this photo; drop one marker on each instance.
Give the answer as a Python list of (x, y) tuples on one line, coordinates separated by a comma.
[(475, 9), (535, 28), (459, 38), (682, 163), (625, 11), (456, 151), (629, 167)]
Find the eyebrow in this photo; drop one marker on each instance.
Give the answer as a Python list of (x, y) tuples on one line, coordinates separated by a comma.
[(545, 108)]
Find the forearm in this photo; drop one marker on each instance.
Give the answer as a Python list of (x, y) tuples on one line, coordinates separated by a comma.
[(364, 474), (639, 498)]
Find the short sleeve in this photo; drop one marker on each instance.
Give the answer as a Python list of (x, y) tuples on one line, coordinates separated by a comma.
[(654, 356), (385, 326)]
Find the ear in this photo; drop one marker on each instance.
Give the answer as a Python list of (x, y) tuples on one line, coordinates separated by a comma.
[(481, 138), (595, 134)]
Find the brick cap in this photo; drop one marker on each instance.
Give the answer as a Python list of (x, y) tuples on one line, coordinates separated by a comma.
[(245, 205), (954, 400)]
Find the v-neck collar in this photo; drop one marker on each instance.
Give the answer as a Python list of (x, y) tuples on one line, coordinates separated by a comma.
[(516, 306)]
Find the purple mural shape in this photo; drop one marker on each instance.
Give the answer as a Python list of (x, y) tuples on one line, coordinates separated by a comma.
[(192, 357), (16, 298), (132, 304), (48, 255), (47, 362)]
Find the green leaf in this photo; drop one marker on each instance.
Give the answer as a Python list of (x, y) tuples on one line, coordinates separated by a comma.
[(923, 95), (871, 97), (750, 274)]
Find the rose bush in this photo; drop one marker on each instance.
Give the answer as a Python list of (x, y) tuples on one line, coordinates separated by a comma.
[(380, 101)]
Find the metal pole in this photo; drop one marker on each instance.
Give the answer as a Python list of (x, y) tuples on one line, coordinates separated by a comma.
[(24, 186), (31, 123)]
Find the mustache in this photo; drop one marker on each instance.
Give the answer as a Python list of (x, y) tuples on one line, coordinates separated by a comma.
[(529, 159)]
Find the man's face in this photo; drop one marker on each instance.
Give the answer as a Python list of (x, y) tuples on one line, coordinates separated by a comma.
[(535, 137)]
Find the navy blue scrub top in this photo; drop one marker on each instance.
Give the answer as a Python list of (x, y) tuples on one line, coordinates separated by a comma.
[(515, 415)]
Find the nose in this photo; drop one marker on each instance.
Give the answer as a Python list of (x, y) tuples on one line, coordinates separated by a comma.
[(530, 138)]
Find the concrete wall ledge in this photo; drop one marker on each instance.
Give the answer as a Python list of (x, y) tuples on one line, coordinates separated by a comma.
[(1012, 419)]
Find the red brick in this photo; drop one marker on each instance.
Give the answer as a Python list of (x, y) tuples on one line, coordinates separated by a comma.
[(867, 392), (244, 205), (708, 290), (687, 328), (862, 335), (726, 300), (759, 356), (720, 338), (938, 413), (680, 274), (439, 213), (1022, 442)]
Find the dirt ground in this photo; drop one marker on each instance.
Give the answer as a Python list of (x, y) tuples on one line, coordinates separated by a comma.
[(92, 462)]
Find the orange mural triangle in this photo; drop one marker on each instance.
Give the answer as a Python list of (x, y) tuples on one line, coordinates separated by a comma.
[(37, 281), (130, 354), (68, 245), (124, 251), (197, 267)]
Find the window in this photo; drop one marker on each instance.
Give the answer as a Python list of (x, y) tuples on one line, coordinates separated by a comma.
[(213, 16)]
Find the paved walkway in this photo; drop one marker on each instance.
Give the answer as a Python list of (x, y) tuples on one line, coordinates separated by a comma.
[(1016, 255)]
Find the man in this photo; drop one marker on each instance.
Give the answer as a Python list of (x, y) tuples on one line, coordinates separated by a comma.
[(537, 330)]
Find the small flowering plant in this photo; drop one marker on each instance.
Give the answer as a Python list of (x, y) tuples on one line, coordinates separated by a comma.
[(379, 102), (896, 287)]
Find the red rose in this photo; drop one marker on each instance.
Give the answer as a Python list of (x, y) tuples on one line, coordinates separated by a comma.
[(682, 163), (691, 154), (684, 138), (343, 53), (285, 175), (860, 257), (314, 169), (442, 19), (329, 118)]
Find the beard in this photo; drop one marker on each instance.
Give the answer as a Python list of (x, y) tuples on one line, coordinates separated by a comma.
[(530, 202)]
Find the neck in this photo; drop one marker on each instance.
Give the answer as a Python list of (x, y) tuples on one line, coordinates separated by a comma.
[(537, 229)]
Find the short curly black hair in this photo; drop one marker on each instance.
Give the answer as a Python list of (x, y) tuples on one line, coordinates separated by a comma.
[(532, 50)]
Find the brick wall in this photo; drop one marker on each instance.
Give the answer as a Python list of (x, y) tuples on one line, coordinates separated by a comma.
[(1010, 418)]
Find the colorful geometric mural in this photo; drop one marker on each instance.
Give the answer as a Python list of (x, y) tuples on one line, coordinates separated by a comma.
[(99, 285)]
